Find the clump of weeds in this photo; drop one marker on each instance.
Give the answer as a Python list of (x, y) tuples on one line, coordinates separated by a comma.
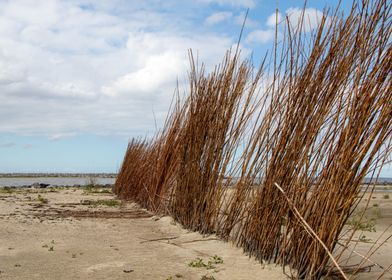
[(42, 199), (103, 202)]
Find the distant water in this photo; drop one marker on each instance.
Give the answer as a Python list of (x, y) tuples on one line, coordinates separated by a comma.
[(54, 181), (70, 181), (381, 181)]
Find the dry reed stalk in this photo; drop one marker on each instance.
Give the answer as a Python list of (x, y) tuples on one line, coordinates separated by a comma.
[(317, 129), (218, 109)]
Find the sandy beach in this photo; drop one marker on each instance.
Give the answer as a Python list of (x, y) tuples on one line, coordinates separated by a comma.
[(74, 234)]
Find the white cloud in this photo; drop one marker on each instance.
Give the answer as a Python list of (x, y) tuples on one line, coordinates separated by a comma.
[(11, 73), (219, 17), (67, 69), (250, 23), (260, 36), (159, 71), (58, 136), (311, 18), (271, 21), (234, 3)]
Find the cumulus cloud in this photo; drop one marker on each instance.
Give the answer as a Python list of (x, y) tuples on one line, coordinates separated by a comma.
[(260, 36), (311, 18), (69, 67), (271, 21), (235, 3), (219, 17), (250, 23), (158, 71)]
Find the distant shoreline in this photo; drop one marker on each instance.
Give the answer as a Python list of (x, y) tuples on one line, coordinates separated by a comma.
[(76, 175), (378, 181)]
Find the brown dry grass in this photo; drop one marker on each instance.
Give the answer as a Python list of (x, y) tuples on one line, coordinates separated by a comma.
[(316, 130)]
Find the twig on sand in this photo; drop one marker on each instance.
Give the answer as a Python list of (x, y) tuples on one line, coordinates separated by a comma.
[(198, 240), (160, 239)]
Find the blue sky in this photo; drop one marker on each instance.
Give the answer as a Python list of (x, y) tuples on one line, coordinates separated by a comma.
[(78, 79)]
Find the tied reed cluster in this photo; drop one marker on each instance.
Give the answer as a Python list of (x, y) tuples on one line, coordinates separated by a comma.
[(272, 158)]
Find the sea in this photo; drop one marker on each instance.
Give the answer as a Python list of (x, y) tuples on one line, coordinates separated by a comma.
[(20, 181), (54, 181)]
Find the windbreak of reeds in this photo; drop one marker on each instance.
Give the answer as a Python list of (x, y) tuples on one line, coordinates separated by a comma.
[(298, 135)]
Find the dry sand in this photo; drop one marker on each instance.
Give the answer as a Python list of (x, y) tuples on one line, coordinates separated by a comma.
[(377, 221), (65, 239), (70, 237)]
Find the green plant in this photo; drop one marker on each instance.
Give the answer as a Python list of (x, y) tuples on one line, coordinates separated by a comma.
[(363, 238), (216, 259), (213, 261), (385, 196), (7, 190), (42, 199), (207, 277), (97, 190), (104, 202), (358, 224), (198, 262), (51, 248)]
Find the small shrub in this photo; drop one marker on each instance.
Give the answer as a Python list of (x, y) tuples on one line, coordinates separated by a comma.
[(7, 190), (207, 277), (198, 262), (104, 202), (385, 196), (98, 191), (216, 259)]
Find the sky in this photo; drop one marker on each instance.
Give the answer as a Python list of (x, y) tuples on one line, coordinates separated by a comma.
[(78, 79)]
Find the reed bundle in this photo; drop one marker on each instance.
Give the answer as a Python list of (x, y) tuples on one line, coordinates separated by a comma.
[(322, 123)]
